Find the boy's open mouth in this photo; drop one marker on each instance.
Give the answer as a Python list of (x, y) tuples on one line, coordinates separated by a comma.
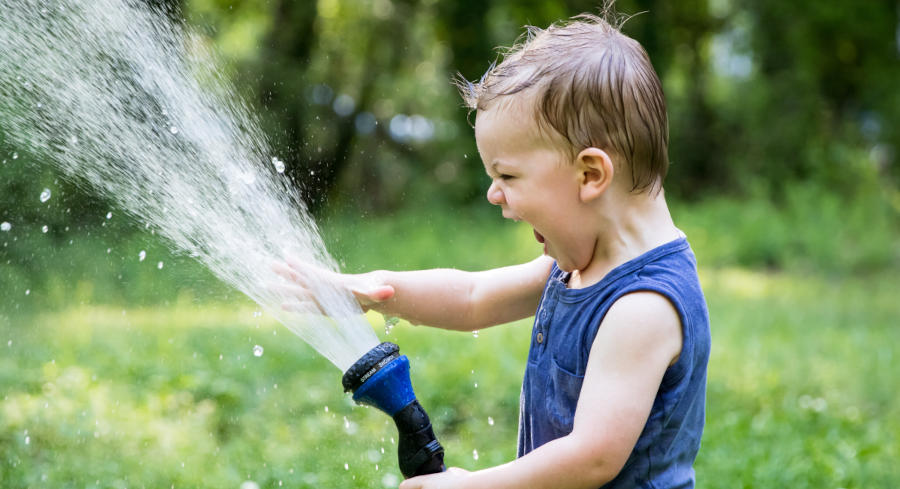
[(538, 236)]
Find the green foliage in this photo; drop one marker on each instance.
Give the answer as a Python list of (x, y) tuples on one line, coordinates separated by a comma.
[(761, 96), (764, 94), (801, 394), (800, 381), (119, 395), (813, 229), (72, 265)]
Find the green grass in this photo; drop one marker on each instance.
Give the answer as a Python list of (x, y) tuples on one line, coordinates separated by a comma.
[(801, 394), (802, 384), (117, 374)]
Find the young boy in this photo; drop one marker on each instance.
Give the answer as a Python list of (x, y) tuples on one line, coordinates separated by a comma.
[(572, 129)]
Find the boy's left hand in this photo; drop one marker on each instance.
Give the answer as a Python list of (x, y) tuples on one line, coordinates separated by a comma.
[(454, 477)]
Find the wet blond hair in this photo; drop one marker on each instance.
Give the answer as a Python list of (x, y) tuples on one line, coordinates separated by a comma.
[(592, 85)]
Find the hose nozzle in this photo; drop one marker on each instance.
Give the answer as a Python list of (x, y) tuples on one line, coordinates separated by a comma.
[(381, 379)]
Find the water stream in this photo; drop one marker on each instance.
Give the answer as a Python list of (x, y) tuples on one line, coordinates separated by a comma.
[(133, 106)]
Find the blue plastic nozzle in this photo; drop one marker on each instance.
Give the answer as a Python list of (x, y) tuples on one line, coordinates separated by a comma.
[(381, 379)]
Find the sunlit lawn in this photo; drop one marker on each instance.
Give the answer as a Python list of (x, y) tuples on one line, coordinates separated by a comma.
[(115, 373), (802, 393)]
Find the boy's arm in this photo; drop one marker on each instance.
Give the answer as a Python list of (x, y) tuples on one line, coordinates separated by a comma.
[(445, 298), (454, 299), (637, 341)]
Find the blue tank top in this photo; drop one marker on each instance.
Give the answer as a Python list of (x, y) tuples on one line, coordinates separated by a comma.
[(565, 325)]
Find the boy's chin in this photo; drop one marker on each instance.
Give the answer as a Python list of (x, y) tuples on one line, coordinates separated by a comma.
[(566, 264), (563, 265)]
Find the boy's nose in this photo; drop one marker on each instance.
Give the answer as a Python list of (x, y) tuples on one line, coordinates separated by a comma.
[(495, 195)]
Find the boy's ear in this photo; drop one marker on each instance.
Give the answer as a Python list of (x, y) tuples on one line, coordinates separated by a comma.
[(595, 171)]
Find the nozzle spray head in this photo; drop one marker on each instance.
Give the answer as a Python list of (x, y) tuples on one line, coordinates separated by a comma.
[(381, 379)]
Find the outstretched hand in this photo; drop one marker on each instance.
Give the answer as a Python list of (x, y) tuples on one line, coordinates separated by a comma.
[(301, 279)]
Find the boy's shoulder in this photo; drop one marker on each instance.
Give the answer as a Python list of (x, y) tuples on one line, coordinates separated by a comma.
[(670, 265)]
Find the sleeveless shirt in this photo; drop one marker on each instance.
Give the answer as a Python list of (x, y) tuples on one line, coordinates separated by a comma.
[(565, 325)]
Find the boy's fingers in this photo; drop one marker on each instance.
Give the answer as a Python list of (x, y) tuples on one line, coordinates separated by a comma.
[(301, 307), (292, 290), (380, 293), (300, 299), (283, 270), (306, 274), (301, 267)]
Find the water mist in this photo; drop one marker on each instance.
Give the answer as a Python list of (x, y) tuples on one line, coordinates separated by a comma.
[(130, 105)]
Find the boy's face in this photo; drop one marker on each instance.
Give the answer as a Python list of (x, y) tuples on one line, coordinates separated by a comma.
[(534, 182)]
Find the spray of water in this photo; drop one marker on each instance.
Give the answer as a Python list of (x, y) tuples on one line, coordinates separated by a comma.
[(131, 105)]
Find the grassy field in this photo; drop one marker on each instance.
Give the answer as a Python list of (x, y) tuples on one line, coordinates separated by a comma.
[(115, 394)]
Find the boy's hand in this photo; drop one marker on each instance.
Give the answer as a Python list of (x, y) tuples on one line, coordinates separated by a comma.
[(302, 279), (453, 478)]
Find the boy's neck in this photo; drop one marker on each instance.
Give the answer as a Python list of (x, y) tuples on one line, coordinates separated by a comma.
[(626, 226)]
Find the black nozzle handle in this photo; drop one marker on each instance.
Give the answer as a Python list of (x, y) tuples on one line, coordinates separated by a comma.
[(418, 450)]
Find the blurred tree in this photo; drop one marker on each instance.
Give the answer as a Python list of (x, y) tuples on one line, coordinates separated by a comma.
[(357, 99), (827, 77), (761, 95)]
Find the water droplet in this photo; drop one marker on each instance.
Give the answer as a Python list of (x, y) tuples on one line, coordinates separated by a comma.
[(5, 226), (220, 356), (279, 165), (346, 466), (257, 351), (475, 454), (45, 195), (476, 385), (249, 485), (27, 291), (45, 228), (15, 156), (109, 215), (159, 265), (108, 251), (142, 255), (390, 480), (73, 139), (326, 409), (389, 323), (173, 130), (490, 421), (475, 333)]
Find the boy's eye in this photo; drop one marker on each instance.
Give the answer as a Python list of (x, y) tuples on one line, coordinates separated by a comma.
[(506, 177)]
